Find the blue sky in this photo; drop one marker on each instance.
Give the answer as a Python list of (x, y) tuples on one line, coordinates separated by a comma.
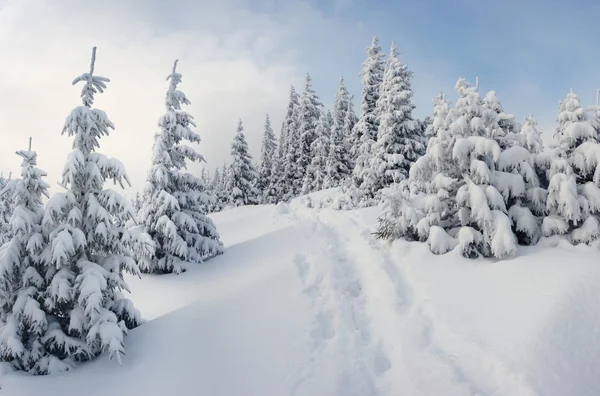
[(530, 52)]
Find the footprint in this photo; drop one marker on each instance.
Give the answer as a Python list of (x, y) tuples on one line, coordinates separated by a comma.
[(381, 364), (354, 289), (302, 265), (324, 328)]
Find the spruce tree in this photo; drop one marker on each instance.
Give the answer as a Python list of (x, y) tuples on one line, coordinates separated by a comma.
[(573, 203), (23, 272), (176, 202), (364, 133), (6, 210), (280, 184), (468, 185), (86, 311), (241, 182), (293, 173), (399, 141), (340, 161), (316, 172), (267, 158), (309, 114)]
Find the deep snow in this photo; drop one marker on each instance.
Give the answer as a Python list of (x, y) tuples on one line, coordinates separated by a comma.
[(307, 302)]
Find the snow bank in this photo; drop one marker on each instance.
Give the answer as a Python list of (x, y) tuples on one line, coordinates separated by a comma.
[(306, 302)]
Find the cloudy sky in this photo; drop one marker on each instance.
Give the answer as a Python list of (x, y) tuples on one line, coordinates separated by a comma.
[(238, 58)]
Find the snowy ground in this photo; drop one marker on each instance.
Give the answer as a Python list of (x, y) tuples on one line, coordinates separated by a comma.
[(306, 302)]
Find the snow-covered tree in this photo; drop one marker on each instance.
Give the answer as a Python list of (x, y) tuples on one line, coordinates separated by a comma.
[(280, 183), (176, 202), (137, 201), (292, 176), (316, 172), (465, 185), (86, 311), (268, 152), (6, 210), (573, 195), (242, 178), (339, 158), (23, 270), (507, 127), (364, 133), (309, 113), (400, 141)]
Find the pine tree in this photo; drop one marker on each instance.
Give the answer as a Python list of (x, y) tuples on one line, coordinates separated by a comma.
[(241, 183), (23, 270), (399, 141), (350, 120), (468, 185), (86, 311), (267, 158), (293, 173), (316, 172), (176, 201), (215, 185), (309, 114), (137, 201), (364, 133), (6, 210), (573, 201), (280, 184), (339, 161), (525, 158)]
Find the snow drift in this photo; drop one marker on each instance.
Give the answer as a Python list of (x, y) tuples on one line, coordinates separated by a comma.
[(306, 302)]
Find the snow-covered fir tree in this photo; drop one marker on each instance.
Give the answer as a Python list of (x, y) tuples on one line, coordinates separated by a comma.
[(573, 195), (86, 311), (280, 184), (309, 113), (268, 152), (137, 201), (242, 177), (6, 211), (350, 121), (465, 186), (400, 141), (339, 161), (176, 202), (215, 188), (316, 172), (526, 158), (292, 176), (364, 133), (23, 270)]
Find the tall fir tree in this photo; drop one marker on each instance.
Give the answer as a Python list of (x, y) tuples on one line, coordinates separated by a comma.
[(293, 173), (364, 133), (23, 270), (316, 172), (268, 154), (176, 203), (87, 313), (6, 210), (280, 184), (400, 140), (309, 114), (242, 177)]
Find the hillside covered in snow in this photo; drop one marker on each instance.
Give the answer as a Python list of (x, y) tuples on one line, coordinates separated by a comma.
[(307, 302)]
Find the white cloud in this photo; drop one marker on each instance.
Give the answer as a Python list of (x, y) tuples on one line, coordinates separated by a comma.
[(235, 63)]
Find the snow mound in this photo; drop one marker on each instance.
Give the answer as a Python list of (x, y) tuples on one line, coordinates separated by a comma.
[(306, 302)]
